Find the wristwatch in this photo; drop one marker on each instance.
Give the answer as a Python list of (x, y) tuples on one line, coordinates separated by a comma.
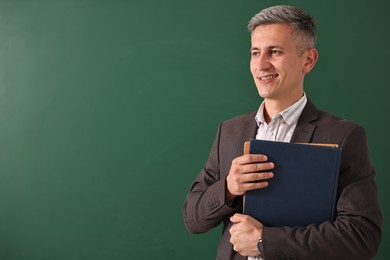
[(260, 246)]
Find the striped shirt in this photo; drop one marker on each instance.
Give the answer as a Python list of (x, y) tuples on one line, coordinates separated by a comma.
[(279, 129), (282, 124)]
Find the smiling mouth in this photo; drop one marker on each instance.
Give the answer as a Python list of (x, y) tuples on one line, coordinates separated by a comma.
[(268, 77)]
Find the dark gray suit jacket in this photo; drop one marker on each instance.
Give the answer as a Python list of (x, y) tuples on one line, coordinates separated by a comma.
[(355, 234)]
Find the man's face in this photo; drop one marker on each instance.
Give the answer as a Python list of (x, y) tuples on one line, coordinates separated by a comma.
[(277, 69)]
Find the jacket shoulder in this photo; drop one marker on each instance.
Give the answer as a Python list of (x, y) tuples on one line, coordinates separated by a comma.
[(328, 119), (334, 128), (241, 119)]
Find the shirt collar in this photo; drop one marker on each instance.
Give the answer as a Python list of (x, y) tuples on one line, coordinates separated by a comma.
[(289, 115)]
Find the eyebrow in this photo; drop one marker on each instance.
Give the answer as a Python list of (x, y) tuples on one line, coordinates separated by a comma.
[(269, 48)]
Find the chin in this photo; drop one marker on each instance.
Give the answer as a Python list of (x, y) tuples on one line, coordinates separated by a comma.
[(264, 94)]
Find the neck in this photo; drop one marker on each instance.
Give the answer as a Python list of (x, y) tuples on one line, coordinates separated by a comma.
[(273, 107)]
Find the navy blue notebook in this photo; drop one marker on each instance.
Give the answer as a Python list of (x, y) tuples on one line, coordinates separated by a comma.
[(303, 189)]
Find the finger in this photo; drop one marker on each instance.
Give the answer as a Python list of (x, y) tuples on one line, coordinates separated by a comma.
[(239, 184), (237, 217), (256, 177), (257, 167), (255, 185), (250, 158)]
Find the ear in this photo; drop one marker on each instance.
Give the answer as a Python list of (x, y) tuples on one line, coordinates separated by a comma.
[(311, 57)]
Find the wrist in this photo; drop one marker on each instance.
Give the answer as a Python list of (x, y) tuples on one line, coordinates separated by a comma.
[(229, 197)]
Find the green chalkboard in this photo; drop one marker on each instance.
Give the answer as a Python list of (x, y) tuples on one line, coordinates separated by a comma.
[(108, 109)]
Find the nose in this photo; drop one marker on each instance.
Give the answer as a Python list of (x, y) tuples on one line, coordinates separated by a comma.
[(262, 62)]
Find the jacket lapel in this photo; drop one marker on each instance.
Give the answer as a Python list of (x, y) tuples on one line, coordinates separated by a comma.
[(250, 127), (305, 128), (303, 132)]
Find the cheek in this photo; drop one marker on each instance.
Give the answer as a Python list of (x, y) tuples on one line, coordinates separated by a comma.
[(252, 68), (291, 68)]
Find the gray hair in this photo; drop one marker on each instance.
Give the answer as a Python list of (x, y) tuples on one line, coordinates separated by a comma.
[(304, 28)]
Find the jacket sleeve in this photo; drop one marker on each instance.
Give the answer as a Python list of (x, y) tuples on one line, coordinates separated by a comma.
[(205, 205), (357, 230)]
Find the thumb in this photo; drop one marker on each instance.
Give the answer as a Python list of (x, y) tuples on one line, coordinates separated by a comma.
[(236, 218)]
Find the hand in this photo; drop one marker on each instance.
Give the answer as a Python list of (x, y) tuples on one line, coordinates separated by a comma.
[(245, 234), (244, 174)]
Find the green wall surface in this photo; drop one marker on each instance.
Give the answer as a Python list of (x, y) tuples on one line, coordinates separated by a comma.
[(108, 109)]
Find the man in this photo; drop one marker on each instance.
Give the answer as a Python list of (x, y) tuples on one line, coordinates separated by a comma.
[(282, 53)]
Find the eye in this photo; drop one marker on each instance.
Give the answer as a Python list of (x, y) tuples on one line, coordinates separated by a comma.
[(275, 52), (255, 53)]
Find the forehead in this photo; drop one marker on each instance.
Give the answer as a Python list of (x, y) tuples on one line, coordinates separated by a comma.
[(272, 35)]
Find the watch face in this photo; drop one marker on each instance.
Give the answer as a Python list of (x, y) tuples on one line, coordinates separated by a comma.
[(260, 246)]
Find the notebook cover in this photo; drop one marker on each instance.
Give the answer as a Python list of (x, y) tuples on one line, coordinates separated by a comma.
[(304, 187)]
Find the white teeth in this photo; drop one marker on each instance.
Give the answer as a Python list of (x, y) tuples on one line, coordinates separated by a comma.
[(268, 77)]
